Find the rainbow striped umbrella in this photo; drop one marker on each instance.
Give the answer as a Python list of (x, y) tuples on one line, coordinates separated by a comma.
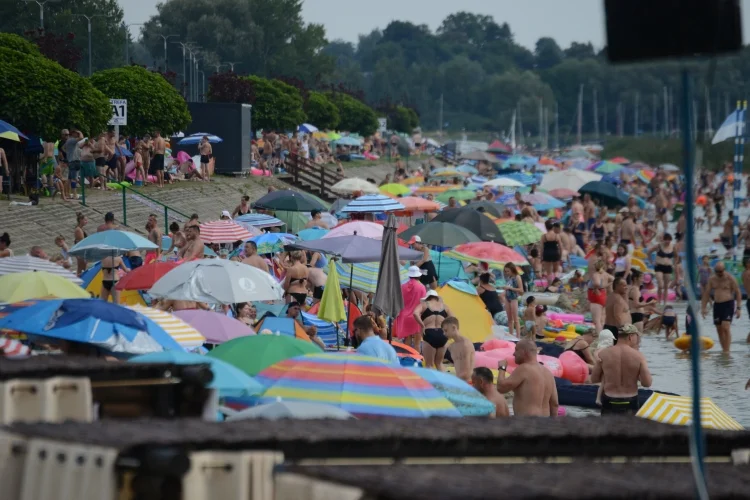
[(645, 175), (358, 384), (363, 277)]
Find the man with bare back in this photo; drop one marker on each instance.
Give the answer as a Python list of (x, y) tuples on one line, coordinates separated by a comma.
[(727, 298), (533, 386), (160, 147), (206, 153), (194, 247)]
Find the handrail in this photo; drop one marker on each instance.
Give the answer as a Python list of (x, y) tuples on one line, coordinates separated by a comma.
[(313, 174)]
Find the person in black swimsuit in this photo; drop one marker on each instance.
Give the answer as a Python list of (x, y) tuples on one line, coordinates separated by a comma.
[(488, 293), (551, 250), (580, 346), (429, 273), (430, 315), (243, 208)]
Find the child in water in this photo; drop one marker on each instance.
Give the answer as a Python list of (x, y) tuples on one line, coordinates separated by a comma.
[(669, 321)]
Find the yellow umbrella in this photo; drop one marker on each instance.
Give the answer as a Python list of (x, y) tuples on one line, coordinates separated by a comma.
[(678, 410), (183, 333), (320, 135), (412, 180), (10, 136), (17, 287), (334, 136), (395, 189), (332, 305)]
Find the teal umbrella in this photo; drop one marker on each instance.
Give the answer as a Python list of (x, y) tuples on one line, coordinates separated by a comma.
[(313, 233), (467, 400)]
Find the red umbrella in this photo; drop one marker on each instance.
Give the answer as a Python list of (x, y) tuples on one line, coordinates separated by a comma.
[(144, 277), (494, 254), (620, 160), (224, 231)]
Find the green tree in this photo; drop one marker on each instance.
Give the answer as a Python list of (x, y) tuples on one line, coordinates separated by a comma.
[(19, 44), (580, 51), (40, 96), (277, 106), (355, 115), (153, 104), (403, 119), (321, 112), (547, 53)]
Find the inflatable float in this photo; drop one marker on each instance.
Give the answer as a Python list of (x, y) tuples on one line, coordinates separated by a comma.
[(259, 172), (651, 294), (568, 334), (574, 368), (566, 318), (584, 395), (683, 343), (542, 299)]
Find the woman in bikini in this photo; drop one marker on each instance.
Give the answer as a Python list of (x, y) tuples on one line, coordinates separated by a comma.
[(513, 289), (551, 250), (295, 280), (597, 293), (110, 265), (664, 265), (80, 234), (430, 315)]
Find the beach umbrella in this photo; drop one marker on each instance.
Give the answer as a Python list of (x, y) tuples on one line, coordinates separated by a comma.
[(388, 298), (410, 181), (363, 276), (458, 194), (504, 182), (332, 304), (348, 141), (313, 233), (395, 189), (334, 136), (307, 128), (289, 201), (578, 153), (569, 179), (224, 231), (372, 203), (476, 222), (620, 160), (12, 348), (645, 175), (272, 242), (546, 160), (216, 327), (607, 167), (292, 410), (608, 194), (217, 281), (499, 147), (183, 333), (144, 277), (110, 244), (256, 353), (354, 184), (228, 380), (467, 169), (494, 254), (467, 400), (89, 321), (562, 193), (612, 179), (196, 139), (542, 201), (677, 410), (524, 178), (440, 234), (24, 263), (258, 220), (17, 287), (668, 167), (423, 190), (8, 131), (360, 228), (416, 204), (480, 156), (352, 249), (360, 385), (447, 172), (487, 207), (517, 233)]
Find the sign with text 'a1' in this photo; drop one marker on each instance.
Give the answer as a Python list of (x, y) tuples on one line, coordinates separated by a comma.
[(119, 112)]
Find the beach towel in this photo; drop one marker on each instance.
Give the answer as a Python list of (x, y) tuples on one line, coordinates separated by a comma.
[(405, 325)]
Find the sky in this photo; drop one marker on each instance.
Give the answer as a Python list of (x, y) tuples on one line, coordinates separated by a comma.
[(564, 20)]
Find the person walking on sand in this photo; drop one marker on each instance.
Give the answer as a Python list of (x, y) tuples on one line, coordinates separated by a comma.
[(406, 326), (727, 298), (462, 350), (483, 381), (206, 152), (533, 386), (160, 147), (619, 369)]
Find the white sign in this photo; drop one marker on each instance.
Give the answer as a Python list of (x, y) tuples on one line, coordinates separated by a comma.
[(382, 124), (119, 112)]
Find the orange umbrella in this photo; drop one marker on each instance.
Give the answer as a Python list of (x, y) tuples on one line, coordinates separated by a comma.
[(416, 204), (547, 161), (433, 189), (620, 160), (412, 180)]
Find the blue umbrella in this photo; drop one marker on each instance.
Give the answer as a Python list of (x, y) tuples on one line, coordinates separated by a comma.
[(348, 141), (272, 242), (228, 380), (373, 203), (312, 233), (307, 128), (258, 220), (111, 327), (525, 179), (467, 400), (467, 169), (196, 139), (7, 127), (110, 244)]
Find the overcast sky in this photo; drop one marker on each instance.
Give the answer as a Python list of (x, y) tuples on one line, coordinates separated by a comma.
[(564, 20)]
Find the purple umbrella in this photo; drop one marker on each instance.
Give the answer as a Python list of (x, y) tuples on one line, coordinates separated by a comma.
[(217, 328)]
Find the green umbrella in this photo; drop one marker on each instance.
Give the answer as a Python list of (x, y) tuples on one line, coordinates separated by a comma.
[(255, 353), (295, 221), (440, 234), (607, 167), (458, 194), (517, 233)]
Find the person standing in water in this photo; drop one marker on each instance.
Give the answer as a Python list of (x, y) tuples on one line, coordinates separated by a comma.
[(483, 381), (430, 316), (533, 386), (727, 299)]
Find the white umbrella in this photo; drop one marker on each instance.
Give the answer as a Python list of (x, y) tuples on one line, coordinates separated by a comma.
[(26, 263), (354, 184), (217, 281), (503, 182), (568, 179)]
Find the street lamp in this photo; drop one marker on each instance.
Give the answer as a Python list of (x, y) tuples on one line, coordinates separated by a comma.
[(41, 9), (231, 65), (203, 78), (217, 66), (127, 40), (88, 19), (165, 38), (184, 46)]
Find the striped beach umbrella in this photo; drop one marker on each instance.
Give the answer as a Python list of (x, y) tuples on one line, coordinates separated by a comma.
[(26, 263), (363, 277), (467, 400), (494, 254), (17, 287), (645, 175), (373, 203), (677, 410), (258, 220), (185, 335), (12, 348), (360, 385), (225, 231)]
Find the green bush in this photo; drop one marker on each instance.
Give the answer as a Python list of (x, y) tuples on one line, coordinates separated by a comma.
[(20, 44), (355, 115), (277, 106), (403, 119), (153, 104), (321, 112), (39, 95)]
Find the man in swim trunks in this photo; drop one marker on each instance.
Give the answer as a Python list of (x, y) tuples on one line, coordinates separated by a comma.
[(533, 386), (727, 298), (746, 284), (483, 381), (617, 310), (206, 154), (462, 350), (589, 211), (619, 369), (727, 235), (160, 147), (628, 229)]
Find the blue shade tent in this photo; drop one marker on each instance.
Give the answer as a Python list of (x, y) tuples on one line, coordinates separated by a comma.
[(196, 139), (313, 233), (326, 329)]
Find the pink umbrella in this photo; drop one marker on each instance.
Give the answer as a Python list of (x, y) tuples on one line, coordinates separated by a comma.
[(224, 231), (362, 228), (494, 254), (562, 193), (217, 328)]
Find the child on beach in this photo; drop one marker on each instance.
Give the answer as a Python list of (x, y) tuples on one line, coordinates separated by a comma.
[(529, 318), (669, 321)]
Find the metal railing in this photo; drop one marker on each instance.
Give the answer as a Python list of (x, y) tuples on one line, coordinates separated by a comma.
[(167, 209)]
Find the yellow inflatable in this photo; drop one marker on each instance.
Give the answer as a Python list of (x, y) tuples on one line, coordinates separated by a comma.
[(639, 254), (638, 264), (683, 343), (568, 334)]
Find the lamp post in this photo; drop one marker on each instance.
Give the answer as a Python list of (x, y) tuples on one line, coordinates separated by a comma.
[(191, 87), (184, 46), (217, 66), (41, 9), (196, 92), (127, 40), (88, 20), (165, 38), (203, 80), (231, 65)]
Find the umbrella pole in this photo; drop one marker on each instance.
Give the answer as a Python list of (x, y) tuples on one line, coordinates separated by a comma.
[(440, 258), (349, 303)]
